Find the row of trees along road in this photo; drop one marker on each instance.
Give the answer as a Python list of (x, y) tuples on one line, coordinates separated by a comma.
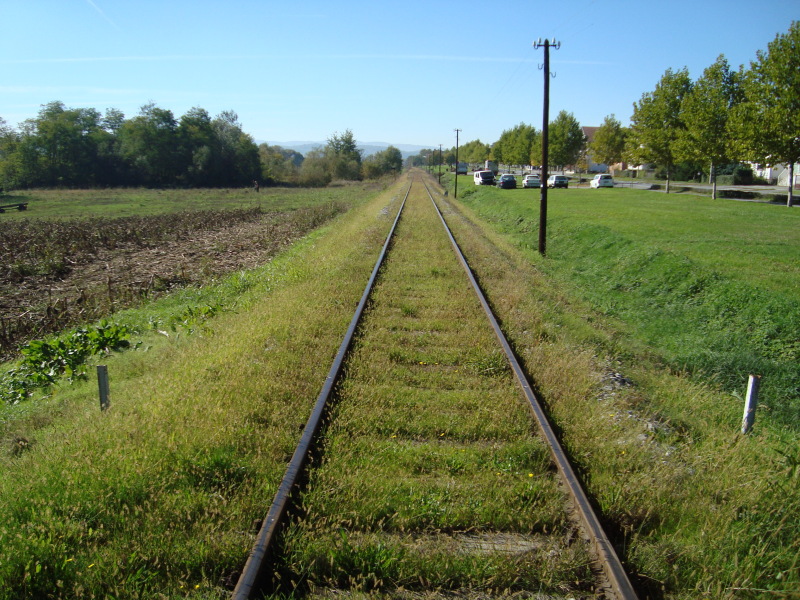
[(746, 115), (725, 116), (80, 147), (520, 145)]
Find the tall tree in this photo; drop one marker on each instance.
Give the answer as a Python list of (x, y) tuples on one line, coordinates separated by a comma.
[(238, 162), (566, 140), (767, 123), (149, 144), (475, 152), (315, 171), (704, 113), (383, 163), (515, 145), (608, 145), (278, 164), (66, 144), (496, 152), (9, 140), (656, 123), (199, 148), (344, 156), (520, 144)]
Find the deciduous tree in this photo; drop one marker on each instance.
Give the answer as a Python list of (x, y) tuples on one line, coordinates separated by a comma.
[(656, 123), (238, 163), (704, 113), (566, 140), (766, 124), (344, 156), (383, 163), (475, 152), (149, 144), (608, 145)]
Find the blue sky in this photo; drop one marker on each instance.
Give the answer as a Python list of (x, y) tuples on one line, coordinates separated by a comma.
[(403, 72)]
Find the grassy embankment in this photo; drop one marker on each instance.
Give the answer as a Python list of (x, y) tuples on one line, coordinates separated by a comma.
[(159, 494), (712, 287), (684, 297)]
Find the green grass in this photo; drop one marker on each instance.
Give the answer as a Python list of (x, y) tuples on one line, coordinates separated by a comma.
[(116, 202), (704, 511), (713, 287), (430, 448), (158, 495)]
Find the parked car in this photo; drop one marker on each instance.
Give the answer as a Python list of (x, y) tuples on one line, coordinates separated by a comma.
[(602, 181), (556, 181), (484, 178), (531, 181), (507, 182)]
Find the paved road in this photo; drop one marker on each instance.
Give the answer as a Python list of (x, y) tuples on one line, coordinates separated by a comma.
[(752, 189)]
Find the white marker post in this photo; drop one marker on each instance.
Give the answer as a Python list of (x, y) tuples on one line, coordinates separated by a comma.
[(750, 403)]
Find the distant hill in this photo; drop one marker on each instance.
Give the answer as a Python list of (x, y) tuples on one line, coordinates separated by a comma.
[(368, 148)]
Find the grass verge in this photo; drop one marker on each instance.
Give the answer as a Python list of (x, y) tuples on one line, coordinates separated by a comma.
[(704, 512), (158, 496), (712, 287)]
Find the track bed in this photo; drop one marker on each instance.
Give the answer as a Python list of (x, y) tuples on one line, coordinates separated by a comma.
[(426, 476)]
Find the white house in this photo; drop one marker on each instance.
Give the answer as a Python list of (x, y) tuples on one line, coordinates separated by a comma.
[(777, 174), (592, 166)]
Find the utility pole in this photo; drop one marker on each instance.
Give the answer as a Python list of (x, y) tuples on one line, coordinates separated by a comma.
[(455, 193), (440, 164), (546, 44)]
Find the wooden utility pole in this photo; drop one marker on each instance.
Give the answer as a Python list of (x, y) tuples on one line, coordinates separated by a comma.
[(440, 164), (546, 44), (455, 192)]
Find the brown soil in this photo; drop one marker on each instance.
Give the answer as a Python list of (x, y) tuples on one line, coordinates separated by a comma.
[(113, 279)]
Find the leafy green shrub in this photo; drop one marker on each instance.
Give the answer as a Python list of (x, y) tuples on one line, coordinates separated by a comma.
[(725, 180), (45, 361), (681, 172), (735, 174), (738, 194)]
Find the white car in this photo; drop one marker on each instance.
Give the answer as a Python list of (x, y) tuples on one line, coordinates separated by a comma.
[(484, 177), (602, 181), (531, 181)]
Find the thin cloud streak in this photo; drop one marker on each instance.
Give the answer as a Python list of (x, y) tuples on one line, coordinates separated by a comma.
[(337, 57), (102, 14)]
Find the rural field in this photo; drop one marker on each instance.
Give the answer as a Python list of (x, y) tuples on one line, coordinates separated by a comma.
[(639, 329), (67, 260)]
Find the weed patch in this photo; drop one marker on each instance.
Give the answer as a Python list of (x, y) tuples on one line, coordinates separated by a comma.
[(44, 362)]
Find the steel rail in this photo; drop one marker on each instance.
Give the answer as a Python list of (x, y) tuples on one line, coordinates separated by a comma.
[(253, 572), (612, 567)]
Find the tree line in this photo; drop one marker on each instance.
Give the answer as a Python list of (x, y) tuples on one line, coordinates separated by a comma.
[(519, 145), (80, 147), (724, 118), (751, 114)]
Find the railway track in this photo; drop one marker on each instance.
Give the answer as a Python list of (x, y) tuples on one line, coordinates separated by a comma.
[(421, 470)]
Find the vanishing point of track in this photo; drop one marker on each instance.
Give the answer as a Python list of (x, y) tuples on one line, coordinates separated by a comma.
[(614, 581)]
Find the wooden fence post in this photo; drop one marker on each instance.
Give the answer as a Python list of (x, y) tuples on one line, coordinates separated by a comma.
[(102, 384)]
